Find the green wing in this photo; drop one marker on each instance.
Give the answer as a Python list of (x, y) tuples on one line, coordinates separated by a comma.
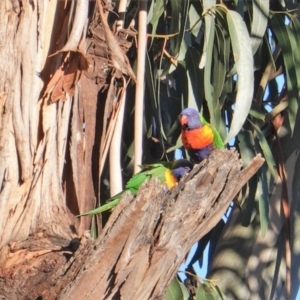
[(133, 185), (217, 138), (148, 172)]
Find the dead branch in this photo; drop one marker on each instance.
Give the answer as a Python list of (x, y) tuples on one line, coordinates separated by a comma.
[(147, 237)]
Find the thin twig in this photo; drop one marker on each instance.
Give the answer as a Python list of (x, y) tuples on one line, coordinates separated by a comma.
[(115, 173), (139, 95)]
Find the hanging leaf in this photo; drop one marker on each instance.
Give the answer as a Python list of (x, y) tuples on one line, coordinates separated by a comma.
[(178, 145), (248, 201), (219, 69), (196, 79), (195, 21), (178, 22), (209, 27), (208, 291), (259, 22), (266, 150), (244, 67), (157, 8), (246, 146), (176, 291), (286, 39), (257, 113), (262, 196), (209, 90), (201, 293)]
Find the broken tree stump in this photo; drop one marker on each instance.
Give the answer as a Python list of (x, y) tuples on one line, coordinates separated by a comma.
[(147, 237)]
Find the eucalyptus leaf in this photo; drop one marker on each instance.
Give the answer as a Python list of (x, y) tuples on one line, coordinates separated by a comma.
[(209, 22), (257, 114), (219, 69), (266, 150), (285, 35), (223, 297), (259, 22), (246, 145), (196, 79), (178, 22), (157, 8), (276, 110), (176, 291), (178, 145), (204, 292), (195, 21), (209, 90), (243, 58), (262, 196), (200, 293)]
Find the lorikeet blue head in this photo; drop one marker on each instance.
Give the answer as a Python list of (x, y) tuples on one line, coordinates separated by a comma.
[(189, 119), (180, 168), (176, 171)]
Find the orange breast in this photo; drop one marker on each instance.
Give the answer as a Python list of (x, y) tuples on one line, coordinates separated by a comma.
[(197, 138)]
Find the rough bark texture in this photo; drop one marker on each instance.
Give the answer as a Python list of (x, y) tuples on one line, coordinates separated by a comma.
[(142, 245), (32, 132), (46, 171)]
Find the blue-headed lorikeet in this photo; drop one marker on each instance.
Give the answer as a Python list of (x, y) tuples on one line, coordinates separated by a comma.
[(197, 135), (168, 173)]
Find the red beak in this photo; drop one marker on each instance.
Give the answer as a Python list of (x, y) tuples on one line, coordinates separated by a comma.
[(183, 120)]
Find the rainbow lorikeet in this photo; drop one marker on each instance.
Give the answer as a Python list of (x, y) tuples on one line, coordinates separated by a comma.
[(168, 173), (197, 135)]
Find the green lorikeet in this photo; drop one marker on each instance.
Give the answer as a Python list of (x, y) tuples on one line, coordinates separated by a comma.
[(197, 135), (168, 173)]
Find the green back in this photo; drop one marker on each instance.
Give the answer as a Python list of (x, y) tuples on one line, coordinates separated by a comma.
[(148, 172)]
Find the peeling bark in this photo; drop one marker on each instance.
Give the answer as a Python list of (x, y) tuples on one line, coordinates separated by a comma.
[(35, 137)]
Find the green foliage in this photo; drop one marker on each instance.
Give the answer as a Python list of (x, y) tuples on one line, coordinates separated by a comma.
[(206, 291), (176, 291), (288, 40), (205, 61)]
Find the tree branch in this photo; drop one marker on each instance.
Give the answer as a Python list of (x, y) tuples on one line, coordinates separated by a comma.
[(147, 237)]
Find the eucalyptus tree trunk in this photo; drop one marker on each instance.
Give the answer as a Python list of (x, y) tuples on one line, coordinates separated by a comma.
[(50, 79), (33, 133)]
